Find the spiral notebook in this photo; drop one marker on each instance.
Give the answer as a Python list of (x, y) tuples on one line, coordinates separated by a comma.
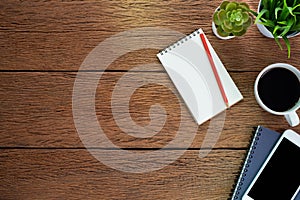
[(188, 66), (263, 141)]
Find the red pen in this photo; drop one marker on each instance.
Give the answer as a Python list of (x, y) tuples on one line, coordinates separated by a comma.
[(212, 64)]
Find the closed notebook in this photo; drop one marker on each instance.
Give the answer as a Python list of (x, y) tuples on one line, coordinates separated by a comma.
[(188, 67), (262, 144)]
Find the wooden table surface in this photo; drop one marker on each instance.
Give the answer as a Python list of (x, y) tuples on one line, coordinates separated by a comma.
[(44, 43)]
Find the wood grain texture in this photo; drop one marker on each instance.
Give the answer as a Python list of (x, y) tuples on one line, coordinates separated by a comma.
[(36, 110), (65, 33), (42, 46), (75, 174)]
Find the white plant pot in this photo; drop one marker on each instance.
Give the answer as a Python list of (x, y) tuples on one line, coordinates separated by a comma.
[(214, 29), (264, 31)]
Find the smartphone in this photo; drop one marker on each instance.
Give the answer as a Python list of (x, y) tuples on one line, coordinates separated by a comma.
[(279, 176)]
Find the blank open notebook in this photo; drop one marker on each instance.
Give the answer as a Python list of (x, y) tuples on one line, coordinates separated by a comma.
[(188, 66)]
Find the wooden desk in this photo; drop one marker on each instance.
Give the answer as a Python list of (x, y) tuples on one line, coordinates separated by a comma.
[(43, 45)]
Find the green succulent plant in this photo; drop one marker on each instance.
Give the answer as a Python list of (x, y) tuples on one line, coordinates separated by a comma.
[(232, 18), (281, 18)]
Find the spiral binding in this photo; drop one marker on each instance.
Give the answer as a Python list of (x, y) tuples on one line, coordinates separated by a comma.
[(179, 42), (245, 166)]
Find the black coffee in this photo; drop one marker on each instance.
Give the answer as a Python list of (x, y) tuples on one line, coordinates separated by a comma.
[(279, 89)]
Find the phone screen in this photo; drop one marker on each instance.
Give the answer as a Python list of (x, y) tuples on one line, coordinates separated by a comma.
[(280, 179)]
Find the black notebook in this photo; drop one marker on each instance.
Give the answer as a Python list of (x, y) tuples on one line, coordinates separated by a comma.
[(263, 141)]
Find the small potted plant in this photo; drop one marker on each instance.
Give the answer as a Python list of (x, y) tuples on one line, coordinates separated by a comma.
[(231, 19), (279, 19)]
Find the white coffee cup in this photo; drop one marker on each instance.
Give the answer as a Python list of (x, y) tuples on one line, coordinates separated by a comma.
[(290, 114)]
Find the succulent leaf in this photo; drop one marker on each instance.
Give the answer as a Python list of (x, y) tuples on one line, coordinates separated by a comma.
[(221, 32), (223, 5), (222, 15), (226, 29), (245, 16), (237, 28), (240, 33), (231, 6), (228, 24), (216, 19), (248, 23), (239, 23), (244, 6)]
